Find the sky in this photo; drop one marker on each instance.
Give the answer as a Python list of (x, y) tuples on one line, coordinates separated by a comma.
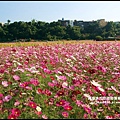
[(49, 11)]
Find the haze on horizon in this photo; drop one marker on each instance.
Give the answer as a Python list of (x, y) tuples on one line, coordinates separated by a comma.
[(49, 11)]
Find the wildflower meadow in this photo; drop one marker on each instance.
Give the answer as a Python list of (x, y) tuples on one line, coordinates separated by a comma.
[(59, 81)]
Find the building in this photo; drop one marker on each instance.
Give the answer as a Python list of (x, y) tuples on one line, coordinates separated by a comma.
[(2, 23), (78, 23), (86, 23), (82, 23), (66, 22)]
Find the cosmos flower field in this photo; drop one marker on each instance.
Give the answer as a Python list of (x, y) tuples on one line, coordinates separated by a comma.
[(60, 81)]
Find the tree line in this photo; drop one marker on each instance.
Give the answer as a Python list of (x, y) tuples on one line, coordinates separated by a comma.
[(43, 31)]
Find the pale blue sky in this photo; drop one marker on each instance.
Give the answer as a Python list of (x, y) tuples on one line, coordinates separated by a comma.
[(49, 11)]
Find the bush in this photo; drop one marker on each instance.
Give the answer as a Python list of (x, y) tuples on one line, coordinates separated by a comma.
[(98, 38)]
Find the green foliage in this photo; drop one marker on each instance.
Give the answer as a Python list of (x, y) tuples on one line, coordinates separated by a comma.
[(98, 38), (38, 30)]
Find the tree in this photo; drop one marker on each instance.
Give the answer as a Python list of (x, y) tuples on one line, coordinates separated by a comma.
[(8, 21)]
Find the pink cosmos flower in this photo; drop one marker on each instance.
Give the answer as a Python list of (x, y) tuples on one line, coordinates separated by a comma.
[(28, 87), (78, 102), (1, 95), (65, 114), (16, 77), (47, 71), (71, 87), (64, 78), (51, 84), (5, 83), (38, 112), (7, 98), (16, 103), (87, 109), (109, 117), (9, 63), (85, 116), (35, 82), (44, 117), (1, 102), (55, 82)]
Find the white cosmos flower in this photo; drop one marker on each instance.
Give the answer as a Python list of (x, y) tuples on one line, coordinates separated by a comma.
[(17, 62), (83, 89), (88, 96), (92, 103), (23, 93), (101, 89), (84, 70), (114, 89), (5, 83), (73, 58), (57, 76), (64, 84), (38, 109), (68, 60), (95, 84), (59, 72)]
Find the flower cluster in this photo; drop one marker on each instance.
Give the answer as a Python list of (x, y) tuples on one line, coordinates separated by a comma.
[(59, 81)]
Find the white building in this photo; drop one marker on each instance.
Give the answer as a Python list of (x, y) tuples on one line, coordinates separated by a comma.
[(71, 23)]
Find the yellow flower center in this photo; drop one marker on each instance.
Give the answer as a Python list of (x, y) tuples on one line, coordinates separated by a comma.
[(61, 103)]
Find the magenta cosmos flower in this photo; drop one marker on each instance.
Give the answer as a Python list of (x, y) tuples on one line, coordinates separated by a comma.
[(68, 107), (47, 92), (60, 103), (32, 104), (24, 84), (39, 91), (16, 112), (11, 116), (60, 93)]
